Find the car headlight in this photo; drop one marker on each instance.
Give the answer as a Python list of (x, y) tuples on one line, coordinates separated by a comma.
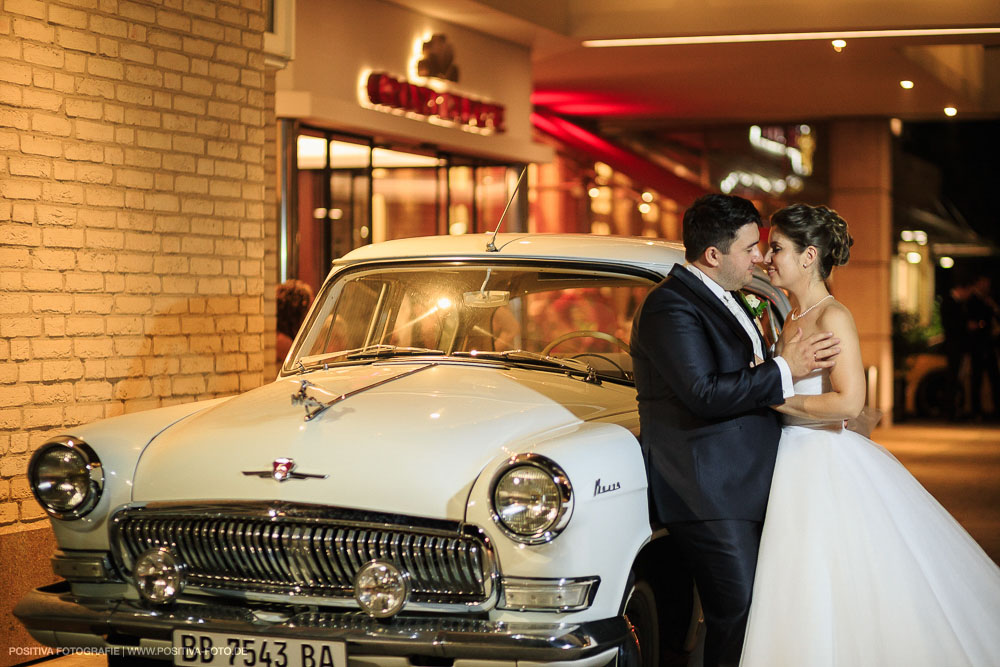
[(531, 499), (66, 477)]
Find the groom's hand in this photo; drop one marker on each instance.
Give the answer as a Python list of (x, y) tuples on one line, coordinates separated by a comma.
[(806, 355)]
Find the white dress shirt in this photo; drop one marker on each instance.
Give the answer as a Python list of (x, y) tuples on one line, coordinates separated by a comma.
[(787, 384)]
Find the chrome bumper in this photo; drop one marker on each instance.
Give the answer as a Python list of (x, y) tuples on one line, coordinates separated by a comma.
[(56, 617)]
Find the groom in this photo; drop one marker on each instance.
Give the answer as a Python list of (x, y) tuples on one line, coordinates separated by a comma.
[(705, 380)]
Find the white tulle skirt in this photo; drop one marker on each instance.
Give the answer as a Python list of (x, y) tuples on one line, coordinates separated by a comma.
[(860, 566)]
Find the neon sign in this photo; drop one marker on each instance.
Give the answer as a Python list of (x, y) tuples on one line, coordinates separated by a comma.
[(384, 91)]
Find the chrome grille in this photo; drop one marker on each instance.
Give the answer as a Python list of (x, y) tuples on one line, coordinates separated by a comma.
[(305, 552)]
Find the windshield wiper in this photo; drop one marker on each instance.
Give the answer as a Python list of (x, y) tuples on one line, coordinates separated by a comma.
[(376, 351), (573, 366), (382, 350)]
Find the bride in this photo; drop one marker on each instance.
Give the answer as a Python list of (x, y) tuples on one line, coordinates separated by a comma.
[(858, 565)]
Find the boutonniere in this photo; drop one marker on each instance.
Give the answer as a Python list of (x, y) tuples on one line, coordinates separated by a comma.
[(753, 304)]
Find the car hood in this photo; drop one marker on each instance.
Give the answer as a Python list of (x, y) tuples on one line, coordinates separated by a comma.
[(404, 438)]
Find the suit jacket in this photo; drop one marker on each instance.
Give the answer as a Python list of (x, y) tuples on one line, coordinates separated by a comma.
[(707, 433)]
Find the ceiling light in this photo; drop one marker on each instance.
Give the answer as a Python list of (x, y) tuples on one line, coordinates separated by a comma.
[(946, 262), (906, 83), (950, 111), (906, 235), (838, 45), (786, 37), (913, 257)]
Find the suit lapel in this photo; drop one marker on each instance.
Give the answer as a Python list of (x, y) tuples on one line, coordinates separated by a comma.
[(701, 292), (756, 322)]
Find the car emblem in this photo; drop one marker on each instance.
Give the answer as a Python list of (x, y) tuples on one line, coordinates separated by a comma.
[(282, 470)]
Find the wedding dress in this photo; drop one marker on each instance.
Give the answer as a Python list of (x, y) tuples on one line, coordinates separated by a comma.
[(860, 566)]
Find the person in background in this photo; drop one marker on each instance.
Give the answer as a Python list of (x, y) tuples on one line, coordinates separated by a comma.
[(294, 298), (982, 316), (956, 342)]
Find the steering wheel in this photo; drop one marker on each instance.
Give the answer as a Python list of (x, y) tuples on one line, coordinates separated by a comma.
[(587, 334)]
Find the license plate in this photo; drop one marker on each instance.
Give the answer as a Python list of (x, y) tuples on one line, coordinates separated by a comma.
[(201, 649)]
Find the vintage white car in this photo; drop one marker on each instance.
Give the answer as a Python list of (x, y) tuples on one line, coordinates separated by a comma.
[(446, 473)]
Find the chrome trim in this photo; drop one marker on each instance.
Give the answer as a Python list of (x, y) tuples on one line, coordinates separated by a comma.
[(89, 622), (88, 567), (309, 554), (595, 583), (561, 480), (93, 466)]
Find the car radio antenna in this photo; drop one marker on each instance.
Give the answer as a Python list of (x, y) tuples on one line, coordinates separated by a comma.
[(491, 246)]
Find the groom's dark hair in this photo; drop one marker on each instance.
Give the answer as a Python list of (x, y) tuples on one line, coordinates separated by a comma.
[(714, 220)]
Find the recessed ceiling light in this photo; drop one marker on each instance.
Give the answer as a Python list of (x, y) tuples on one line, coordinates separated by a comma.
[(906, 83), (950, 111), (838, 45)]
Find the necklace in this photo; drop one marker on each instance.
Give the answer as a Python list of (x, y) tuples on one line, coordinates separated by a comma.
[(806, 311)]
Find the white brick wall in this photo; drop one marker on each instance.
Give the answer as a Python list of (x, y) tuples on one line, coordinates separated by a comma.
[(132, 200)]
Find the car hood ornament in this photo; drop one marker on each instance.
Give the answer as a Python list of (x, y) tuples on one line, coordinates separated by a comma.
[(282, 470), (314, 407)]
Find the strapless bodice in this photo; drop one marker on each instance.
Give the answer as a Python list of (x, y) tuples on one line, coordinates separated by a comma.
[(813, 384)]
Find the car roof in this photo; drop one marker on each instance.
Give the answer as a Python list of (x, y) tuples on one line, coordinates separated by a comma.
[(654, 254)]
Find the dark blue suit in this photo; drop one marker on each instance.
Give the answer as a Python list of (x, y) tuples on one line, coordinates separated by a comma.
[(710, 442)]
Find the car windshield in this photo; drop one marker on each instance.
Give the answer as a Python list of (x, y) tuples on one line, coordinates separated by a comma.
[(477, 310)]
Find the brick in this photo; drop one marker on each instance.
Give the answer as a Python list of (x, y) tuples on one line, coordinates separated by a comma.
[(91, 348), (33, 8), (183, 144), (63, 238), (39, 99), (53, 259), (108, 26), (98, 196), (46, 56), (84, 152), (55, 215), (133, 95), (33, 30), (14, 303), (107, 47), (144, 75), (14, 396), (30, 167), (41, 146), (84, 109), (76, 41), (87, 173), (73, 18), (93, 391), (36, 417), (15, 73), (49, 124), (174, 61), (106, 68), (98, 303), (51, 349), (137, 12), (142, 117), (188, 384), (148, 139), (134, 179), (84, 326), (11, 189)]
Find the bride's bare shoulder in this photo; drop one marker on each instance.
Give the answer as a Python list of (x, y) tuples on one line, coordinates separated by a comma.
[(837, 318)]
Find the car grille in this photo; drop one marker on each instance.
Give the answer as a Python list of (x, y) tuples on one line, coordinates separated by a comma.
[(306, 552)]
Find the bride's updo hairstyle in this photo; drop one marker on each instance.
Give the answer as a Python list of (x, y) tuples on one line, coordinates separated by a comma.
[(816, 226)]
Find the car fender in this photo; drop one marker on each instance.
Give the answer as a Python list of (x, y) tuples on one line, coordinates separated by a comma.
[(118, 442), (609, 522)]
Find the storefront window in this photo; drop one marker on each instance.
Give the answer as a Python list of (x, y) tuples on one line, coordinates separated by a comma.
[(350, 192)]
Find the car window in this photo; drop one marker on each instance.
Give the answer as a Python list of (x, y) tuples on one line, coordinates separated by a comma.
[(476, 308)]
